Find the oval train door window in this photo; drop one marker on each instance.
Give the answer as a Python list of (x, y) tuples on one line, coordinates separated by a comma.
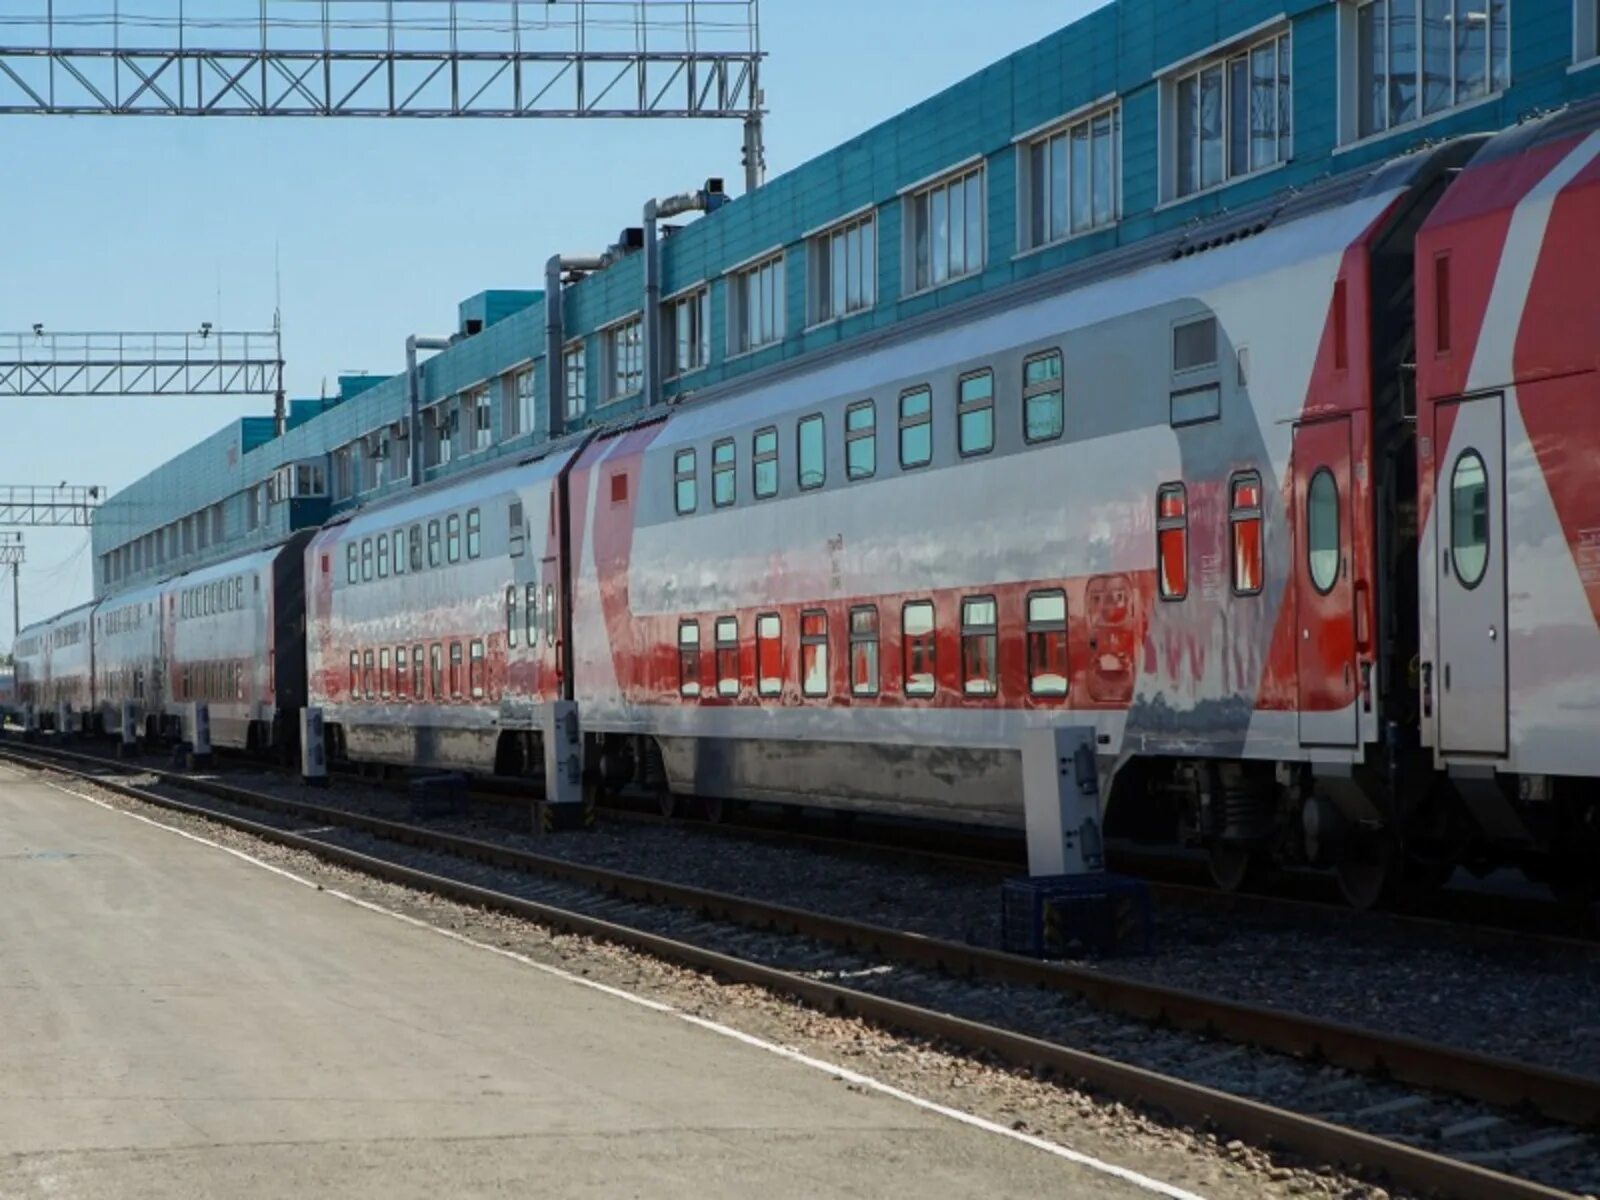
[(1469, 519), (1322, 531)]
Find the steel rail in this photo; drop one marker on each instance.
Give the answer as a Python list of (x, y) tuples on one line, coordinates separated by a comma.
[(1561, 1096), (1189, 1103)]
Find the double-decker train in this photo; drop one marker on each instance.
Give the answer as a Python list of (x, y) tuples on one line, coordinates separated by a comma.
[(1295, 507)]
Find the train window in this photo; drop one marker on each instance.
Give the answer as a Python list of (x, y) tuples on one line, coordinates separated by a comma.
[(511, 617), (416, 548), (814, 653), (400, 672), (474, 532), (355, 672), (530, 614), (397, 542), (433, 543), (352, 563), (1172, 540), (1322, 531), (476, 670), (861, 440), (980, 646), (916, 428), (1043, 403), (384, 668), (366, 673), (812, 446), (549, 614), (418, 678), (1469, 519), (366, 559), (436, 671), (975, 414), (452, 538), (769, 655), (383, 556), (1194, 345), (685, 483), (1047, 643), (917, 648), (689, 658), (1245, 522), (727, 656), (764, 464), (724, 473), (455, 670)]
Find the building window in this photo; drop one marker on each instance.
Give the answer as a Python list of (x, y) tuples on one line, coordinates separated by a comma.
[(624, 345), (1043, 399), (980, 646), (1245, 520), (482, 411), (769, 655), (917, 648), (764, 464), (1586, 31), (864, 651), (1047, 643), (517, 404), (945, 231), (814, 653), (755, 308), (474, 532), (1172, 540), (861, 440), (811, 444), (575, 363), (724, 473), (1233, 115), (689, 658), (916, 428), (844, 269), (727, 656), (975, 413), (685, 483), (452, 538), (1072, 182), (1463, 53), (688, 332)]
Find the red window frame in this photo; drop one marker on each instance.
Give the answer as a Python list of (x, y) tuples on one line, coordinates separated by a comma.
[(769, 655), (864, 639), (1247, 533), (919, 650), (980, 647), (814, 680), (727, 652), (1048, 659), (689, 659)]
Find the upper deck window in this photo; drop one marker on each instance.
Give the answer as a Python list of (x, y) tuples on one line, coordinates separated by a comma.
[(1231, 115)]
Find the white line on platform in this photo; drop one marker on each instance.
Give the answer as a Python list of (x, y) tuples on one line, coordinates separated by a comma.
[(1144, 1182)]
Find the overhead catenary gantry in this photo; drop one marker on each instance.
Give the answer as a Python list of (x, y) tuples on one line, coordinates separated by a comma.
[(388, 58)]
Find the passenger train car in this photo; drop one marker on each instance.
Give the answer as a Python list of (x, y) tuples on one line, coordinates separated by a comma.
[(55, 667), (1289, 506)]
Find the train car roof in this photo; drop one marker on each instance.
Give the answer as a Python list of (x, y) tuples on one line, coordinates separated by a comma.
[(1574, 120)]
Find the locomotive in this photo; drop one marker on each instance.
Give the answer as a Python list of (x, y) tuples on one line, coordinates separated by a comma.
[(1293, 506)]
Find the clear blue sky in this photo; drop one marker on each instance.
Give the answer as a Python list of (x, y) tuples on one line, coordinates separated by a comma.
[(383, 226)]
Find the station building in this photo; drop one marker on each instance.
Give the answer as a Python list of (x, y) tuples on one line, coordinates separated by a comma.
[(1140, 118)]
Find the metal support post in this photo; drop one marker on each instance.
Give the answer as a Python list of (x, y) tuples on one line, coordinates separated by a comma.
[(1061, 801), (414, 397), (199, 734), (313, 749), (128, 747), (567, 805), (755, 154)]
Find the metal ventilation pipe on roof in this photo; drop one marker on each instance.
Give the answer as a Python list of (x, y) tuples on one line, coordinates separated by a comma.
[(708, 199), (414, 397), (555, 336)]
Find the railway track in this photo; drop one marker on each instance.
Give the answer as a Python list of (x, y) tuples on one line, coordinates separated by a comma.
[(1344, 1095)]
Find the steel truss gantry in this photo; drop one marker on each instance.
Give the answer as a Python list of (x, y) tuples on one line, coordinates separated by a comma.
[(387, 58), (204, 363), (62, 505)]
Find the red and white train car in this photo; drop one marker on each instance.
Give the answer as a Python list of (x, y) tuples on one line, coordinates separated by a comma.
[(1508, 382), (435, 621), (55, 668), (128, 660)]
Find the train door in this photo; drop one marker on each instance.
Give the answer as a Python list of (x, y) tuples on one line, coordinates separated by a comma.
[(1469, 515), (1324, 587), (552, 653)]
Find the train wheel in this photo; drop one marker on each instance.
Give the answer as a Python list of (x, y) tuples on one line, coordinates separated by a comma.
[(666, 799), (1232, 867), (714, 809), (1369, 871)]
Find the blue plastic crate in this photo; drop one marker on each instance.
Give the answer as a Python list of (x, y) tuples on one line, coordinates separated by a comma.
[(1074, 916)]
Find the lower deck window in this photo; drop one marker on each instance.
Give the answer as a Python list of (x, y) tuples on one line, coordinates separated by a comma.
[(769, 655), (864, 651), (917, 648), (436, 670), (1172, 540), (814, 653), (355, 673), (980, 646), (1246, 521), (366, 674), (727, 656), (477, 669), (1047, 643), (383, 672), (417, 676), (689, 658)]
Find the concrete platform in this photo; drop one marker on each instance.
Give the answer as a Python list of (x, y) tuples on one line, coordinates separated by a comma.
[(176, 1022)]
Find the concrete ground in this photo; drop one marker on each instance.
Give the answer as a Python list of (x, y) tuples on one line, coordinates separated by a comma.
[(176, 1022)]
